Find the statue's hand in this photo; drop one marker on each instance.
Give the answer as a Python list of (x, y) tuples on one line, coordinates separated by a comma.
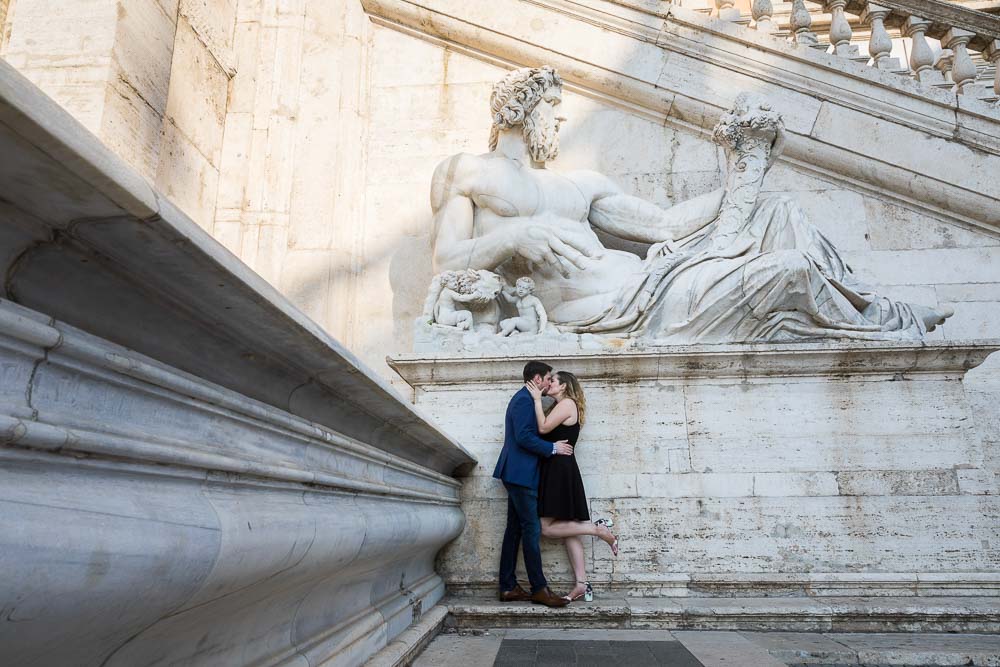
[(553, 243), (777, 146)]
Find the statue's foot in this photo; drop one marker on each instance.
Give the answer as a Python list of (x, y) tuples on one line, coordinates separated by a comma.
[(932, 317)]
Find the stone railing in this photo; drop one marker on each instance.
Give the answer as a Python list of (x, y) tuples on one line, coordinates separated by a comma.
[(966, 36), (191, 471)]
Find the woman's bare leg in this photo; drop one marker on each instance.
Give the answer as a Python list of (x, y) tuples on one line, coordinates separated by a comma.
[(560, 529), (574, 549)]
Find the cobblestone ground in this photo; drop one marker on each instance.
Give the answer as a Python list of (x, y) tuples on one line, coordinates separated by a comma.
[(637, 648)]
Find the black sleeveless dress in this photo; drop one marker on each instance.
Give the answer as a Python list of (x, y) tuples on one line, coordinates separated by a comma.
[(560, 487)]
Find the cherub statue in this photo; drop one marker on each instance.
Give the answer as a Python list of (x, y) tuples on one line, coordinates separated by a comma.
[(531, 317), (465, 299)]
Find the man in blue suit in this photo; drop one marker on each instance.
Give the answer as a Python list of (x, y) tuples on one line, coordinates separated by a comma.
[(517, 467)]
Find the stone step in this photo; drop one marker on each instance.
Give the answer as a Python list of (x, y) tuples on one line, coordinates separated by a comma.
[(801, 614)]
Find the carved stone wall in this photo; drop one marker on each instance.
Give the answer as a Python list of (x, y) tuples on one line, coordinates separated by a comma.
[(334, 121)]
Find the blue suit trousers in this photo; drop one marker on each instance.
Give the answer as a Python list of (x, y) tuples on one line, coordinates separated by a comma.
[(523, 527)]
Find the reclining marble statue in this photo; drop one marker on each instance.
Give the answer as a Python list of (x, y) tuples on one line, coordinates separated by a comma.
[(725, 266)]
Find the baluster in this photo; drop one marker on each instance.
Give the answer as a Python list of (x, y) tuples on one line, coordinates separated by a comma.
[(963, 70), (762, 10), (801, 23), (992, 54), (727, 10), (879, 44), (943, 65), (840, 30), (921, 55)]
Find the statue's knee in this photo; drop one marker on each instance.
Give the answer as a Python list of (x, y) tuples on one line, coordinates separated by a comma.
[(792, 261)]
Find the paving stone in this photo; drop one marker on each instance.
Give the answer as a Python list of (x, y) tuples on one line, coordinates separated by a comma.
[(804, 647), (453, 650), (726, 649), (923, 649)]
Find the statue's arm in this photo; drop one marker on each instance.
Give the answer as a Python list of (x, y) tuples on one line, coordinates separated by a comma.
[(451, 202), (455, 246), (543, 318), (636, 219)]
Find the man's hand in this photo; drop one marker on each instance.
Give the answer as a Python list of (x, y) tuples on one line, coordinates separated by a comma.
[(553, 242), (533, 389), (563, 447)]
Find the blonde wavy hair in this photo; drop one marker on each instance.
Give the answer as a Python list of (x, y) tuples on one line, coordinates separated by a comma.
[(574, 392), (515, 96)]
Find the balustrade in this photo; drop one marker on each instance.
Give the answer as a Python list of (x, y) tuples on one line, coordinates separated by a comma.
[(969, 39)]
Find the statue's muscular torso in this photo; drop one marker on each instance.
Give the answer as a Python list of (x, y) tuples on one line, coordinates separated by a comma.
[(502, 190)]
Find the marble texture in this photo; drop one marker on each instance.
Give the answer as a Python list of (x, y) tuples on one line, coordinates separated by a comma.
[(724, 266), (191, 471)]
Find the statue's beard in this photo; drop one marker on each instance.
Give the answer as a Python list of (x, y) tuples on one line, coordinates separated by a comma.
[(542, 137)]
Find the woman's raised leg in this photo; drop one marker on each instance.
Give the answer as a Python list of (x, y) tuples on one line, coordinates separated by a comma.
[(560, 529)]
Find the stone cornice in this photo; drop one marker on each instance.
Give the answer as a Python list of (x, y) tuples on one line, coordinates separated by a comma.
[(89, 242), (300, 452), (646, 65), (759, 360)]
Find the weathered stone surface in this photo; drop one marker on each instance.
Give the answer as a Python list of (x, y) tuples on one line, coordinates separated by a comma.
[(803, 647), (810, 615), (192, 471), (723, 648), (818, 470)]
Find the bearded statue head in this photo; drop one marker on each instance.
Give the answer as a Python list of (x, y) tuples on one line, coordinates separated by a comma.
[(516, 101)]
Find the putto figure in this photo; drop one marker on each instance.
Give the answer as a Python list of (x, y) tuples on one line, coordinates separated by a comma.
[(724, 266), (466, 300), (531, 316)]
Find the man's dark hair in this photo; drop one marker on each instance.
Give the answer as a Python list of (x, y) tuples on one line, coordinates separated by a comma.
[(533, 368)]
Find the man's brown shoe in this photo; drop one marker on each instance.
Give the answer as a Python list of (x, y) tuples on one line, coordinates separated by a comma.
[(548, 598), (516, 594)]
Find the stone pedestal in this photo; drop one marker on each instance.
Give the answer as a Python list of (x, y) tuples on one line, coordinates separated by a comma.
[(750, 470)]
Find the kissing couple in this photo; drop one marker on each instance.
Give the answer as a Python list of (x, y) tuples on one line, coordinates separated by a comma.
[(545, 494)]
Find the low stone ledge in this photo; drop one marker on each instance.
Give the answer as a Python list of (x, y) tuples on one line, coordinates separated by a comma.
[(732, 585), (848, 614), (692, 362), (408, 645)]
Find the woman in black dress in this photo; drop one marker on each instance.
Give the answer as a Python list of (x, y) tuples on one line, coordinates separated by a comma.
[(562, 501)]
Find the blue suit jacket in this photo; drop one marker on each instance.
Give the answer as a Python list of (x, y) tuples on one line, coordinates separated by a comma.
[(518, 462)]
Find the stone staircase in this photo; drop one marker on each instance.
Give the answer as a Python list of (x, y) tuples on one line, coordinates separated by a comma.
[(795, 614), (945, 45)]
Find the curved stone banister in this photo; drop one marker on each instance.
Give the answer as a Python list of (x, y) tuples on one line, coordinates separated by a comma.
[(191, 471), (106, 253)]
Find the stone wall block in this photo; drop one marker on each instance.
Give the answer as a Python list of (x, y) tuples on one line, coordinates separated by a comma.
[(695, 485), (920, 152), (795, 484), (187, 177), (199, 89), (143, 49), (929, 267), (235, 163), (214, 21), (243, 84), (898, 483), (860, 425), (894, 227)]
